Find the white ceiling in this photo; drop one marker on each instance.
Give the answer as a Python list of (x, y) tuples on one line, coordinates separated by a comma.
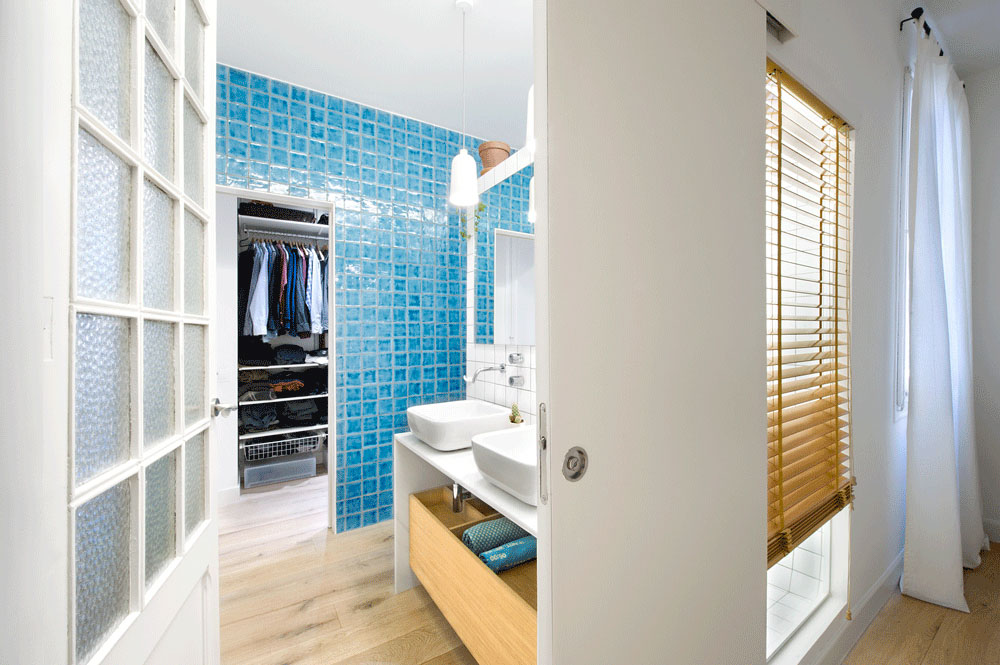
[(969, 30), (403, 56)]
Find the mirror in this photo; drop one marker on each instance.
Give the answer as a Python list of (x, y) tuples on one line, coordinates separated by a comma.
[(505, 263)]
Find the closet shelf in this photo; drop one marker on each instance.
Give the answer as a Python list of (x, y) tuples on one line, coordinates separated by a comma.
[(282, 399), (285, 430), (246, 368)]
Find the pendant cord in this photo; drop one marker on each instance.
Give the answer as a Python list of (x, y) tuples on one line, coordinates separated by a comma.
[(464, 136)]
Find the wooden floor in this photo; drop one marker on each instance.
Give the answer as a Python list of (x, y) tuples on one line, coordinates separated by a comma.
[(292, 593), (912, 632)]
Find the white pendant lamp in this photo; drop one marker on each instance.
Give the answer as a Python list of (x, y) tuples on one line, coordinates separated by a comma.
[(463, 191), (532, 215), (529, 135)]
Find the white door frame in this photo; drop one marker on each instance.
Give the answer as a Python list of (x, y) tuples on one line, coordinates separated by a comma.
[(331, 378)]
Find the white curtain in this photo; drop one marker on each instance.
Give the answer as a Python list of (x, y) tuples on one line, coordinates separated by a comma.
[(944, 523)]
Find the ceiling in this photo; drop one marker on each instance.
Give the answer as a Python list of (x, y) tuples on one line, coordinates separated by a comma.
[(404, 56), (969, 31)]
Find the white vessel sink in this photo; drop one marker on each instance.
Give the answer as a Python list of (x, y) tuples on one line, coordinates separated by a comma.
[(509, 460), (451, 425)]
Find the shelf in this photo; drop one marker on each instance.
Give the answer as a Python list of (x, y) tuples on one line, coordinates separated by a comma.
[(246, 368), (282, 399), (249, 222), (285, 430), (460, 466)]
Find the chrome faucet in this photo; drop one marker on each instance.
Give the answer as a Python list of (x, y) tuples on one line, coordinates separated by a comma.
[(496, 368), (458, 496)]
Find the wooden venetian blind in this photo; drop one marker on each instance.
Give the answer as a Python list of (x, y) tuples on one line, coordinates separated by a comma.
[(809, 167)]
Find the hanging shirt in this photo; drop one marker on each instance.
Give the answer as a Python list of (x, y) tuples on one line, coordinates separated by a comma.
[(301, 317), (256, 316), (324, 316), (315, 291)]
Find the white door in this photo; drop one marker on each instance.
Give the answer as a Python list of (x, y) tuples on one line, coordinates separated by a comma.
[(652, 353), (133, 322)]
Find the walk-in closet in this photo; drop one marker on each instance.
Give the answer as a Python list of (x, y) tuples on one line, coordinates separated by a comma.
[(275, 310)]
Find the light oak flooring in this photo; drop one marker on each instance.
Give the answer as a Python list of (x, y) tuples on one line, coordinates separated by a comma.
[(292, 593), (912, 632)]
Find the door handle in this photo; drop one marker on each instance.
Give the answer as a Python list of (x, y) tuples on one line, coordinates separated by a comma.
[(220, 409)]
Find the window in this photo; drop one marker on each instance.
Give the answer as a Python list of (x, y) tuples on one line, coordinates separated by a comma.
[(808, 219)]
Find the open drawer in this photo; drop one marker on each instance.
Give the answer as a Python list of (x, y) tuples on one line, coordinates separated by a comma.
[(494, 615)]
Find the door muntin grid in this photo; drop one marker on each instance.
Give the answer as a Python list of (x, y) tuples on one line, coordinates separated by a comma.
[(116, 464)]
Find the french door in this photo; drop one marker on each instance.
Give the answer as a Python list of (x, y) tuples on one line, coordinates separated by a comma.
[(143, 543)]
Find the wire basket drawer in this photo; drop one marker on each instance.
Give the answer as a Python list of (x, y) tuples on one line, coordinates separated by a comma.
[(260, 450)]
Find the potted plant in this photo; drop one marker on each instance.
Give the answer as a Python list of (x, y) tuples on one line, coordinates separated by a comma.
[(492, 153)]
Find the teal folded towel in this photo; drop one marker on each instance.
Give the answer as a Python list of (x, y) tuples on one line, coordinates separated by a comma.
[(511, 554), (487, 535)]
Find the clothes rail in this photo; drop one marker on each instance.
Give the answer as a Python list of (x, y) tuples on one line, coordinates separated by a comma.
[(249, 233)]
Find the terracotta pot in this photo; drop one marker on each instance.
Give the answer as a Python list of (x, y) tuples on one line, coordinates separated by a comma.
[(492, 153)]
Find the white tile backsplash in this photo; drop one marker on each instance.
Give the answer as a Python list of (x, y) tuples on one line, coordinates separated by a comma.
[(493, 386)]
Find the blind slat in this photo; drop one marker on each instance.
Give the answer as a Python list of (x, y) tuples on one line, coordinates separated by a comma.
[(807, 215)]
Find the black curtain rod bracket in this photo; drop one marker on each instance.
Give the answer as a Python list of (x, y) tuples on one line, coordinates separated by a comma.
[(914, 15)]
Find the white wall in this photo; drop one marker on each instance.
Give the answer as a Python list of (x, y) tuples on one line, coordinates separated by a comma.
[(983, 90), (227, 474), (666, 338), (853, 59)]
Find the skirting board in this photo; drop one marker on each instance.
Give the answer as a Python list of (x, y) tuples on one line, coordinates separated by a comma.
[(837, 641), (228, 495), (992, 529)]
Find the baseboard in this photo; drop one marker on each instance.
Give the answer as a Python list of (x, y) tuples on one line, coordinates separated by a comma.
[(838, 640), (228, 495), (992, 529)]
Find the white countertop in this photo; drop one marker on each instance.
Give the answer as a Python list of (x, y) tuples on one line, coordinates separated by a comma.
[(460, 466)]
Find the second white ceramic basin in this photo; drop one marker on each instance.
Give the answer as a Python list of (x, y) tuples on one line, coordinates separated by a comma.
[(509, 460), (451, 425)]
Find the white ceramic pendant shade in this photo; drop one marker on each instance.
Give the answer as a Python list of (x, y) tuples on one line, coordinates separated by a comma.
[(463, 191)]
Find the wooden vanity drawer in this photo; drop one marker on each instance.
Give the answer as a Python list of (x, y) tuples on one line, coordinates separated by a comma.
[(494, 615)]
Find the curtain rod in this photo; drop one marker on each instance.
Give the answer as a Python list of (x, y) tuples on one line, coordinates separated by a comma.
[(914, 16)]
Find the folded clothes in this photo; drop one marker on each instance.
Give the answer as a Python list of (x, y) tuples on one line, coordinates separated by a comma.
[(253, 351), (511, 554), (257, 395), (259, 418), (290, 386), (299, 412), (488, 535), (289, 354)]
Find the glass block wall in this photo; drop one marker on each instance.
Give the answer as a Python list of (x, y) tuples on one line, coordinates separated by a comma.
[(400, 262)]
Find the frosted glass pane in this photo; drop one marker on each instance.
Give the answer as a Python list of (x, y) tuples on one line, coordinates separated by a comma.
[(194, 483), (158, 381), (103, 194), (194, 49), (194, 152), (161, 514), (103, 537), (158, 116), (194, 264), (157, 248), (105, 62), (194, 373), (102, 391), (160, 14)]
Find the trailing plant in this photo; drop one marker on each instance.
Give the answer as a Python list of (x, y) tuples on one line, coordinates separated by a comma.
[(463, 216)]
